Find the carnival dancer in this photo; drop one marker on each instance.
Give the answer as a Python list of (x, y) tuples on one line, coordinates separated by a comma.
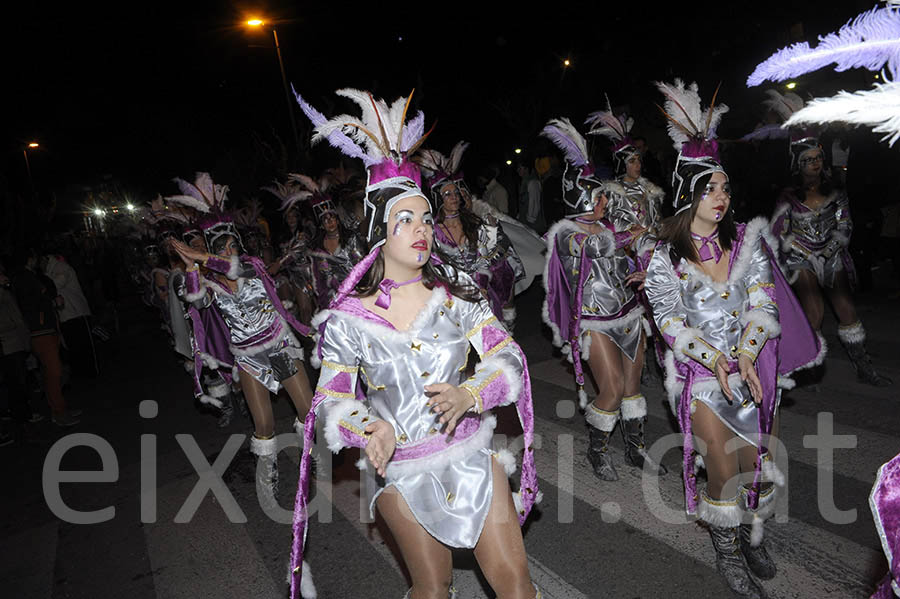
[(470, 243), (265, 351), (335, 250), (403, 325), (592, 309), (812, 220), (733, 328), (293, 269)]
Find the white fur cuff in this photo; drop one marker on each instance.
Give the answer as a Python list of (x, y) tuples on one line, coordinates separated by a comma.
[(719, 512), (634, 407), (684, 337), (234, 270), (335, 411), (760, 317), (854, 333), (601, 419), (263, 447)]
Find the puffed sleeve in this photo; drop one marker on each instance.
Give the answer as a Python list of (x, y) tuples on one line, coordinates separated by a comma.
[(192, 289), (760, 320), (499, 377), (346, 417), (664, 294), (840, 236), (234, 268)]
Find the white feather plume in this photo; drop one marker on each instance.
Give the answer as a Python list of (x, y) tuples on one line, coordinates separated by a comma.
[(436, 162), (878, 108), (563, 133), (784, 105), (683, 105), (604, 122)]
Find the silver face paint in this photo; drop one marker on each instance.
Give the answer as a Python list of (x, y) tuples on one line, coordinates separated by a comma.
[(402, 217)]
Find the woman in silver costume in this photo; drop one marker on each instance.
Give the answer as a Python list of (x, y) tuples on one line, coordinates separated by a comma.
[(473, 244), (402, 326), (592, 309), (812, 220), (336, 250), (266, 353), (732, 327)]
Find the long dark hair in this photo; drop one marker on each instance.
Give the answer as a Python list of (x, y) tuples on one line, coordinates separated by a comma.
[(432, 274), (343, 234), (677, 229), (471, 222)]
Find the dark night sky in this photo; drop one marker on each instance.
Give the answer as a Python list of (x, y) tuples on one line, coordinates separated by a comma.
[(154, 90)]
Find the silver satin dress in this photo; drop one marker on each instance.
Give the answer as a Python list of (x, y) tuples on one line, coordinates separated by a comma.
[(262, 343), (808, 235), (692, 300), (451, 498), (605, 296)]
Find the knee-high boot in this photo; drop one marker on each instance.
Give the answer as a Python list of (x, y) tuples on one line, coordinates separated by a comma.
[(752, 538), (600, 426), (634, 414), (266, 452), (723, 517), (853, 338)]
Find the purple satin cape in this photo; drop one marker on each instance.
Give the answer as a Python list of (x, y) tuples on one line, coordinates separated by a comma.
[(885, 504)]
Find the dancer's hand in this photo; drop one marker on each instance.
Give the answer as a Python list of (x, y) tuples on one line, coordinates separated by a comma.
[(381, 445), (189, 255), (450, 402), (639, 276), (722, 376), (749, 375)]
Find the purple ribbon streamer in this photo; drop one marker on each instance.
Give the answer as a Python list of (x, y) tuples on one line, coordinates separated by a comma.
[(705, 242), (386, 286)]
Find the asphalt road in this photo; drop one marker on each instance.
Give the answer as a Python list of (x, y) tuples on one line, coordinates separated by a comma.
[(588, 538)]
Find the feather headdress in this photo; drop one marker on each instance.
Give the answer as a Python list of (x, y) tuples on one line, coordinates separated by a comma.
[(579, 182), (385, 142), (440, 169), (288, 194), (870, 41), (208, 198), (693, 132), (617, 130)]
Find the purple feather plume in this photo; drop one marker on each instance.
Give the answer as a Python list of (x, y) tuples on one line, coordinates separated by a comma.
[(767, 132), (566, 138), (413, 131), (870, 41), (337, 139)]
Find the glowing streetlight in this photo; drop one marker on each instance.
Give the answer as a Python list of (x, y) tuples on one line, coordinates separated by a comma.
[(34, 144), (259, 23), (567, 62), (129, 206), (518, 150), (791, 85), (509, 163), (98, 212)]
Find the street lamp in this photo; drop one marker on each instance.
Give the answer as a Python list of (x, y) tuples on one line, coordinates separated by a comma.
[(33, 145), (791, 85), (256, 22), (567, 62)]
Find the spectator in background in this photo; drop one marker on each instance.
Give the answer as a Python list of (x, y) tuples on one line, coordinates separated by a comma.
[(74, 316), (36, 295), (494, 193), (15, 342), (531, 210)]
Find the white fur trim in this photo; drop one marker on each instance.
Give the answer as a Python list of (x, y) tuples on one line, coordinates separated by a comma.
[(851, 334), (545, 314), (218, 390), (584, 347), (517, 499), (633, 409), (772, 473), (699, 464), (189, 365), (271, 343), (211, 362), (438, 296), (711, 384), (605, 325), (513, 379), (671, 383), (209, 400), (288, 304), (235, 374), (686, 336), (760, 317), (234, 269), (196, 295), (599, 420), (362, 464), (263, 447), (582, 399), (307, 588), (438, 461), (753, 232), (506, 459), (651, 190), (756, 531), (724, 513), (335, 411)]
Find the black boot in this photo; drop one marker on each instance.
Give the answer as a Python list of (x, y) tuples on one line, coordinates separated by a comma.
[(730, 563), (758, 559), (226, 412), (635, 454), (853, 337), (598, 454)]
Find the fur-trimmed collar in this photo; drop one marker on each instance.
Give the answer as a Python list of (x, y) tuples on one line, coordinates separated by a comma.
[(379, 326), (753, 231), (566, 225)]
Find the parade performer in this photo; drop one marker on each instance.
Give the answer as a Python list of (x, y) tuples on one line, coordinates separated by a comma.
[(734, 329), (265, 351), (812, 220), (592, 309), (472, 244), (885, 504), (402, 325)]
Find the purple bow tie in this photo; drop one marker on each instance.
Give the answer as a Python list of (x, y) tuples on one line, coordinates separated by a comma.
[(386, 285), (705, 244)]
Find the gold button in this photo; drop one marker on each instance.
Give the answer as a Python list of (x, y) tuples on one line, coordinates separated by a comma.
[(752, 342), (724, 295), (415, 346), (683, 276), (627, 330), (704, 356), (435, 335), (402, 438), (702, 299), (759, 329), (734, 313), (450, 497), (691, 345), (425, 374), (354, 412), (366, 419), (441, 312)]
